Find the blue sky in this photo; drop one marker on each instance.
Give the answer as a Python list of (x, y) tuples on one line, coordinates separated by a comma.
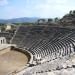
[(35, 8)]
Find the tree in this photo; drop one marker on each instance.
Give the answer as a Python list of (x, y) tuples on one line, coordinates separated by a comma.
[(50, 20), (56, 19), (41, 21), (71, 12)]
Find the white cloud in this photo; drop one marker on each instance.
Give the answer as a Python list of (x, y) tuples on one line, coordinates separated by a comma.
[(3, 2), (38, 8), (54, 8), (14, 12)]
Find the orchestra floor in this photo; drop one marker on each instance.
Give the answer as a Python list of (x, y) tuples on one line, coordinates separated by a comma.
[(12, 61)]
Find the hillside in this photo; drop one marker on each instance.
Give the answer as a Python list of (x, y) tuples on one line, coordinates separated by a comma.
[(19, 20)]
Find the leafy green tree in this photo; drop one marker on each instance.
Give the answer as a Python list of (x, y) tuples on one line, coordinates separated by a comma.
[(50, 20), (56, 19)]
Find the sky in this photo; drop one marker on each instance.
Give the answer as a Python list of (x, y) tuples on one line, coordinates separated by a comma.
[(35, 8)]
